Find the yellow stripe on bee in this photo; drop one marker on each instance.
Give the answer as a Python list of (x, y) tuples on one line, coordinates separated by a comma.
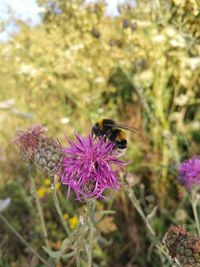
[(100, 122), (121, 136)]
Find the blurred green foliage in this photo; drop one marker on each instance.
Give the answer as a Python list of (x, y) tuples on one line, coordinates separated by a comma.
[(141, 68)]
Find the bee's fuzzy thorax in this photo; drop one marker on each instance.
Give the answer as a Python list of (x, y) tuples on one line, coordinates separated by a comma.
[(113, 132)]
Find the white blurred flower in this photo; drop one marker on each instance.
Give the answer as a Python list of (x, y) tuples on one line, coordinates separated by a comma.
[(178, 41), (181, 100), (159, 38), (196, 125), (76, 47), (65, 120), (28, 70), (170, 32), (193, 62), (88, 69), (100, 110), (99, 80), (18, 46), (8, 103)]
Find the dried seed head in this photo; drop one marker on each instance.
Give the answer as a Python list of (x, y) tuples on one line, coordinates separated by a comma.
[(182, 247), (49, 156)]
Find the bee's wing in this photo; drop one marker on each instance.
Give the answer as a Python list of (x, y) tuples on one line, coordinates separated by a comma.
[(125, 127)]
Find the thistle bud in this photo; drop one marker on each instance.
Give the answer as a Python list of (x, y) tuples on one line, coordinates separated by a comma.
[(49, 156)]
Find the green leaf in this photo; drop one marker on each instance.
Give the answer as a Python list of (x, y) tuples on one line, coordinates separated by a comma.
[(68, 255), (65, 244), (51, 253), (152, 214)]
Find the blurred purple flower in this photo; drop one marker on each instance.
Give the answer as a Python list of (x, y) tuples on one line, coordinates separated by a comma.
[(88, 167), (189, 172), (28, 141)]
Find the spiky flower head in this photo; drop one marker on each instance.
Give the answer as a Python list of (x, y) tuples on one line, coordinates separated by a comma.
[(189, 172), (48, 156), (28, 141), (88, 167), (182, 247)]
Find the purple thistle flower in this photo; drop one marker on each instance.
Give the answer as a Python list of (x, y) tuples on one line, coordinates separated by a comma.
[(88, 167), (189, 172)]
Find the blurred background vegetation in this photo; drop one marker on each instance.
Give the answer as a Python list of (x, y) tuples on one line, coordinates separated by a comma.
[(140, 68)]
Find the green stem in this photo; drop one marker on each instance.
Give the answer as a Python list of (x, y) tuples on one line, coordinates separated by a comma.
[(163, 252), (194, 209), (91, 209), (59, 211), (39, 207), (90, 248), (136, 204), (78, 260), (12, 229)]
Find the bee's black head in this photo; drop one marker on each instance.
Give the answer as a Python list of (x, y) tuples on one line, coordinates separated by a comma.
[(103, 127), (96, 131)]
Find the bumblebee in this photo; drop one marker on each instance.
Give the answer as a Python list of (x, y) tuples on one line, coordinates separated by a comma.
[(112, 130)]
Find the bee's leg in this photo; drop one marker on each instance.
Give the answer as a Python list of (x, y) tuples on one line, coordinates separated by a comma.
[(94, 137), (118, 152)]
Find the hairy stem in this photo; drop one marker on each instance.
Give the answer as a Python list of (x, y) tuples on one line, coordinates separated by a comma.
[(91, 209), (136, 204), (78, 260), (39, 207), (59, 211), (194, 209)]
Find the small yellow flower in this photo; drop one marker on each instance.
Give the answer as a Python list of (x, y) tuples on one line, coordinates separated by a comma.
[(73, 221), (41, 192), (65, 216), (47, 181)]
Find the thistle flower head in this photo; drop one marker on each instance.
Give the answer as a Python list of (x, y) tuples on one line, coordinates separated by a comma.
[(28, 141), (88, 167), (189, 172)]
